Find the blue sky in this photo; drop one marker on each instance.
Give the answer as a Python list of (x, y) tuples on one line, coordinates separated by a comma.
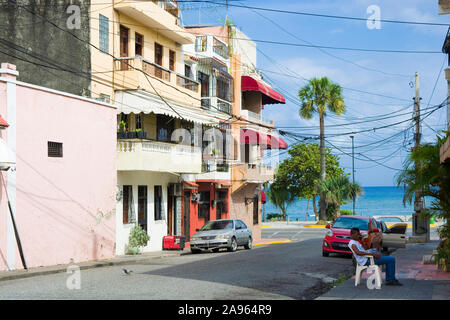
[(306, 62)]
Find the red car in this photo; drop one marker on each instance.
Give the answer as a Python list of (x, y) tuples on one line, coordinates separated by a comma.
[(338, 234)]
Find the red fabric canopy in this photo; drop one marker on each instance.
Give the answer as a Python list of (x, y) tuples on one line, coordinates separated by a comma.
[(269, 96), (263, 197), (277, 143), (249, 136)]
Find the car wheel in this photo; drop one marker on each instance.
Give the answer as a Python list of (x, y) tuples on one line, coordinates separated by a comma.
[(233, 246), (194, 251), (249, 244), (325, 254)]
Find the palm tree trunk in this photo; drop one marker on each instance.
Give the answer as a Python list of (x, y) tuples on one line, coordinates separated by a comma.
[(283, 210), (322, 204), (338, 210), (307, 209), (315, 208)]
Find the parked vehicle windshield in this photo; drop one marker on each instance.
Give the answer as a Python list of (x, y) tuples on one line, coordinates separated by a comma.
[(348, 223), (218, 225)]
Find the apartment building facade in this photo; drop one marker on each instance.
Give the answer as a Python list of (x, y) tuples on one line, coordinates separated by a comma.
[(251, 133)]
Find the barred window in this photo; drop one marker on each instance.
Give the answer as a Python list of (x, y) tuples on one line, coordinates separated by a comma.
[(129, 215), (55, 149), (104, 34)]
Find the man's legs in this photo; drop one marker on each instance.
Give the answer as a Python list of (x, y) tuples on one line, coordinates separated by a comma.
[(390, 266)]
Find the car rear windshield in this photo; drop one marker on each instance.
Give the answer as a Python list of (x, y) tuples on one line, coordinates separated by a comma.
[(218, 225), (348, 223)]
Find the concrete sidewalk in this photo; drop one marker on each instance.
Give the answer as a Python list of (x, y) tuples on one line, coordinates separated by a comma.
[(118, 260), (420, 281)]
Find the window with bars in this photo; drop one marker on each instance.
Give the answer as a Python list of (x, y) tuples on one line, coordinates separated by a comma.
[(204, 205), (55, 149), (104, 33)]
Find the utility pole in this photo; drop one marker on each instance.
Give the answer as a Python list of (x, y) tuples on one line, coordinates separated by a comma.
[(421, 226), (353, 169)]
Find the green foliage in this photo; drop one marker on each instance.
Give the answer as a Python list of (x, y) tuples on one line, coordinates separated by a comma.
[(346, 213), (138, 130), (320, 95), (322, 222), (336, 190), (443, 253), (274, 216), (431, 178), (300, 172), (138, 237), (281, 197)]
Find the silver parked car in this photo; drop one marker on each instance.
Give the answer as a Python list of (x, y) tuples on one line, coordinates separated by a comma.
[(224, 233)]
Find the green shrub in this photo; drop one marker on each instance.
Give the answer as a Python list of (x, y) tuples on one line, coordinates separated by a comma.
[(443, 253), (322, 222), (274, 216), (138, 238), (346, 213)]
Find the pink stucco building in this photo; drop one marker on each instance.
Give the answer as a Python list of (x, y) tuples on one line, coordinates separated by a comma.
[(62, 189)]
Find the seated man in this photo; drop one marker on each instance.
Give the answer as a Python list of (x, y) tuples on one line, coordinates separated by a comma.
[(359, 252)]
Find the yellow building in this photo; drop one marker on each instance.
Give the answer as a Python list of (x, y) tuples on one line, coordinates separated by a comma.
[(140, 67)]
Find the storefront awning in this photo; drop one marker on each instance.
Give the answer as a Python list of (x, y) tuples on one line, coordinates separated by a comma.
[(190, 185), (277, 143), (249, 136), (137, 101), (269, 96)]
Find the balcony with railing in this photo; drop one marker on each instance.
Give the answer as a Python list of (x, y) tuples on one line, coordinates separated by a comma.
[(252, 173), (217, 104), (158, 156), (255, 117), (159, 15), (212, 47), (136, 72)]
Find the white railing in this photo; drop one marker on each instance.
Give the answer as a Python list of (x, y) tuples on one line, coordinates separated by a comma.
[(156, 146)]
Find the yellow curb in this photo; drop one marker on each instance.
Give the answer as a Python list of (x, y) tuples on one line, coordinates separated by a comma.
[(314, 226), (281, 241), (268, 226)]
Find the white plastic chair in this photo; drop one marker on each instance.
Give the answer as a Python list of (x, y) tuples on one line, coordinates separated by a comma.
[(372, 266)]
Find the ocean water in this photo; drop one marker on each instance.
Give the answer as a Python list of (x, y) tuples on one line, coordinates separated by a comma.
[(375, 201)]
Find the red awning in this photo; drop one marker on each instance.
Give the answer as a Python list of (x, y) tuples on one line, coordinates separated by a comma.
[(263, 197), (3, 122), (249, 136), (190, 185), (269, 96), (277, 143)]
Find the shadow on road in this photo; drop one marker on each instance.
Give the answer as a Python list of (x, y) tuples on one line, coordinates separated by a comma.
[(279, 269)]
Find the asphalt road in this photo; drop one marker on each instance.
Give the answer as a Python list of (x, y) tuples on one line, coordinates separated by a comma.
[(294, 270)]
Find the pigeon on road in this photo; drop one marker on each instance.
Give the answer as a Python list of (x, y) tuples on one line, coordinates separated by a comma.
[(127, 271)]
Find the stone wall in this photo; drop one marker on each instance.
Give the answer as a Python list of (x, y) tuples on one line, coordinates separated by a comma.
[(45, 55)]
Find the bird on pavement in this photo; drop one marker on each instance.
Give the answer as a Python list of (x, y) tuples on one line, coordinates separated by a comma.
[(127, 271)]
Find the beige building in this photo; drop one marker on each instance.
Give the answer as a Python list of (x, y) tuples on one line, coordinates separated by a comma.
[(141, 68)]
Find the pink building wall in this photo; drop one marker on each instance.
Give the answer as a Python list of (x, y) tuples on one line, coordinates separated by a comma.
[(65, 207)]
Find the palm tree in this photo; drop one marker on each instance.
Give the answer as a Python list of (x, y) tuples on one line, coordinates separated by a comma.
[(337, 190), (318, 96), (431, 178), (280, 197)]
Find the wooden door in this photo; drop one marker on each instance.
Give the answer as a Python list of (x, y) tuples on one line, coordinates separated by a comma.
[(169, 210), (124, 38)]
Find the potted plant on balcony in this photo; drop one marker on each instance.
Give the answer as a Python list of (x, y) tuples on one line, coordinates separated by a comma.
[(141, 134), (121, 133)]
